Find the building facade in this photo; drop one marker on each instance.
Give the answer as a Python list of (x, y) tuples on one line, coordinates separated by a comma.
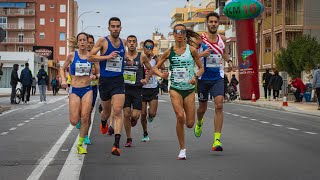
[(40, 25)]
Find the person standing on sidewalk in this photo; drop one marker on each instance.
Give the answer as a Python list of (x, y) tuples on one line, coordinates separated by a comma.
[(14, 81), (299, 89), (42, 83), (54, 84), (34, 85), (316, 83), (213, 53), (265, 82), (26, 81), (276, 84)]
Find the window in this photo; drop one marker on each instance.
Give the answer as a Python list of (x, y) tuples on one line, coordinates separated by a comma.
[(51, 5), (62, 22), (51, 20), (20, 49), (20, 37), (62, 51), (267, 45), (41, 35), (42, 7), (62, 36), (62, 8), (3, 20), (42, 21), (279, 6)]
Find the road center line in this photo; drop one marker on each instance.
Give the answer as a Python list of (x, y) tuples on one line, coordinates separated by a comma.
[(12, 129), (313, 133), (72, 167), (4, 133), (264, 122), (21, 124), (295, 129), (37, 172), (277, 125)]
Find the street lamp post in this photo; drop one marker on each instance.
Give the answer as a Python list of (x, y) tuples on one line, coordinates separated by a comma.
[(88, 27), (85, 13)]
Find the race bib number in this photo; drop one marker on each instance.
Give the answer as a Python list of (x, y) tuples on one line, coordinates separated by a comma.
[(129, 77), (82, 69), (181, 75), (214, 60), (114, 65)]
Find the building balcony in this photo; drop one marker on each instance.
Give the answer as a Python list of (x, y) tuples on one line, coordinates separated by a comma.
[(178, 12), (17, 12), (18, 41), (16, 26)]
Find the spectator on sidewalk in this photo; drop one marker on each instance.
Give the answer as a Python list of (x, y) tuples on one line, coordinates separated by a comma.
[(26, 81), (42, 83), (265, 81), (1, 72), (316, 84), (226, 82), (14, 81), (234, 82), (275, 84), (54, 84), (33, 87), (298, 89)]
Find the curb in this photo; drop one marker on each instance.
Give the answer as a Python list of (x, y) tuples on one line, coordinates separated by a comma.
[(4, 108), (298, 111)]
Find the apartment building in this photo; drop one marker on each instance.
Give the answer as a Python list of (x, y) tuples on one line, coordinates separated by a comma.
[(41, 26)]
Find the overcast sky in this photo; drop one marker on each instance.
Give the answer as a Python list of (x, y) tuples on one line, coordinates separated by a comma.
[(138, 17)]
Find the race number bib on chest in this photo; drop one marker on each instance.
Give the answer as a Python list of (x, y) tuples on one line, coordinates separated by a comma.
[(129, 77), (82, 69), (115, 64), (214, 60), (181, 75)]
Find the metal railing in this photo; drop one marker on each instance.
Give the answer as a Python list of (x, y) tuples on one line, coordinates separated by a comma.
[(19, 40), (14, 12), (15, 26)]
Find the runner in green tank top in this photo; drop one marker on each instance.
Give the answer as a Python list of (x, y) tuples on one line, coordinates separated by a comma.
[(182, 58)]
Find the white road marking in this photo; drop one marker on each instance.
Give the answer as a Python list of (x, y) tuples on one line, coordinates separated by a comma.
[(7, 112), (227, 113), (21, 124), (72, 167), (211, 108), (295, 129), (264, 122), (27, 121), (235, 115), (37, 172), (313, 133), (160, 100), (12, 129), (243, 117), (277, 125), (31, 118), (4, 133), (253, 119)]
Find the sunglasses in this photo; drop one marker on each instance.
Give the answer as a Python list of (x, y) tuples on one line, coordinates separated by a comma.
[(148, 47), (179, 31)]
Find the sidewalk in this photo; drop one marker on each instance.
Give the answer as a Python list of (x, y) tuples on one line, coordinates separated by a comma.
[(48, 93), (309, 108)]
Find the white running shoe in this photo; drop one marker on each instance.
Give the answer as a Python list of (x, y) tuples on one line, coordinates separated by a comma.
[(182, 154)]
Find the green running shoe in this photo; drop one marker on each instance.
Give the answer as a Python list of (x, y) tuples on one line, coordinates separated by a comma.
[(217, 146), (87, 140), (198, 128), (81, 150), (145, 139)]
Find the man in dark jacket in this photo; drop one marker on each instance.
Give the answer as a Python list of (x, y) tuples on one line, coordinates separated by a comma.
[(265, 81), (13, 82), (234, 82), (275, 84), (26, 81), (42, 83)]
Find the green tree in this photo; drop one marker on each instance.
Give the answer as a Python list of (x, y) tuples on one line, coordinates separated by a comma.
[(302, 54)]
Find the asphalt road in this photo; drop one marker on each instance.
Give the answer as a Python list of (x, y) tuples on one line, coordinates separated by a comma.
[(258, 144)]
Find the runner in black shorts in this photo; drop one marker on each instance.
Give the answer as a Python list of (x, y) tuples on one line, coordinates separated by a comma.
[(111, 84), (150, 91), (134, 79)]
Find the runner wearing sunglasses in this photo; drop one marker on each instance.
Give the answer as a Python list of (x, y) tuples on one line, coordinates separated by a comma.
[(134, 79), (150, 91), (182, 58), (213, 51)]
